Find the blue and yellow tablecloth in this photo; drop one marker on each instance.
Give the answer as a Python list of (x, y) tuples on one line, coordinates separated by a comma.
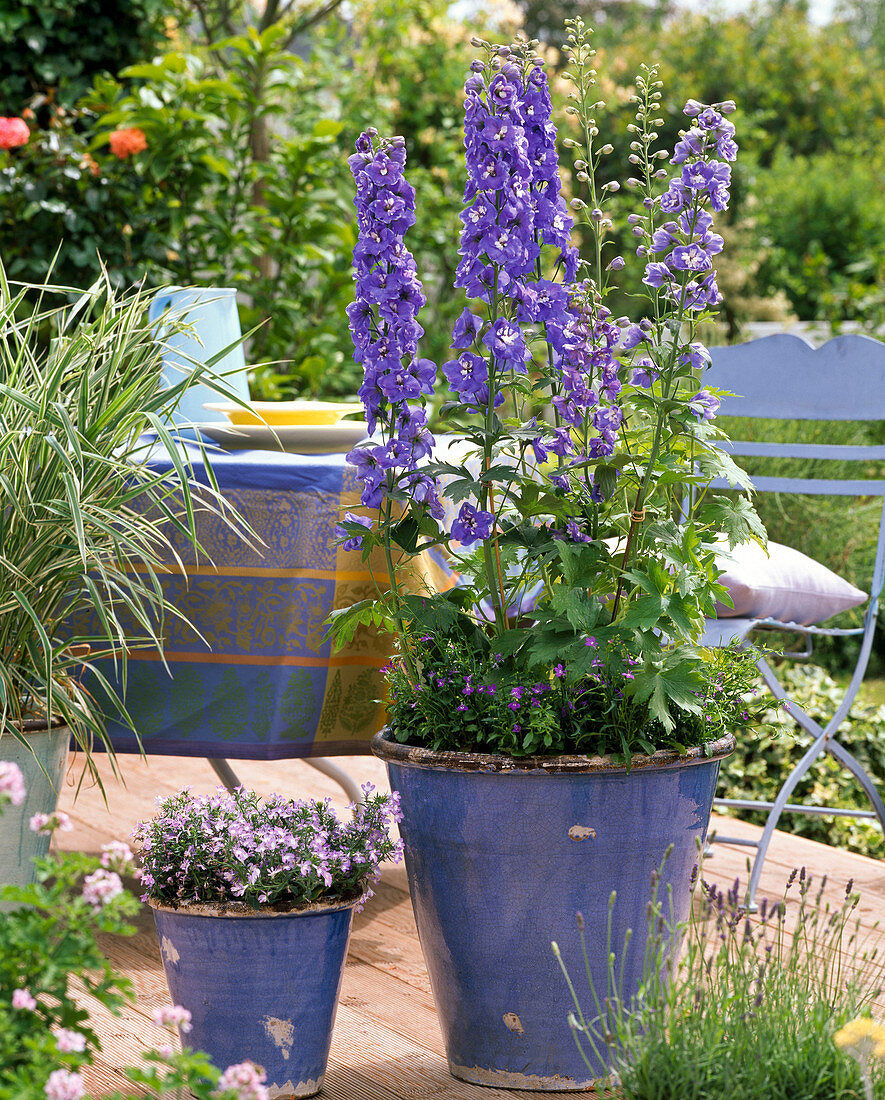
[(262, 684)]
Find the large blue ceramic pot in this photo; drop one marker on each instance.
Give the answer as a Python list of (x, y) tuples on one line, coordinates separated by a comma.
[(259, 985), (502, 854)]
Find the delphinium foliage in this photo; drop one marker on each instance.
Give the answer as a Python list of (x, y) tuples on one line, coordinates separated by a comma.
[(740, 1005), (49, 954), (579, 517), (235, 847)]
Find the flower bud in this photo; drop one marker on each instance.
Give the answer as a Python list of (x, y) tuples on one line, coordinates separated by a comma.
[(477, 66), (638, 231), (578, 204), (634, 159), (607, 150), (642, 251), (596, 214), (616, 264), (727, 107), (634, 219), (612, 185), (583, 177)]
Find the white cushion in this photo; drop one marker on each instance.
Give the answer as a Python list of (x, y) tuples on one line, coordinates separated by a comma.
[(782, 584)]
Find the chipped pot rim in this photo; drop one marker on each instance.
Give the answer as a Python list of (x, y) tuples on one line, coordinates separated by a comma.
[(237, 910), (387, 748)]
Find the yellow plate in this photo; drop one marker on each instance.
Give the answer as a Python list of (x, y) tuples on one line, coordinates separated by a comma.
[(285, 412)]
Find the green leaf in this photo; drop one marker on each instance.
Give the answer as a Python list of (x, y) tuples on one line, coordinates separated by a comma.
[(735, 517)]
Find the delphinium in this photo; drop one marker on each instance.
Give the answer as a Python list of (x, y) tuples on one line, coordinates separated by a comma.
[(234, 847), (580, 521), (740, 1004)]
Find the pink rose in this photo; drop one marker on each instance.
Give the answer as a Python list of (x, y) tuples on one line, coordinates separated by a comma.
[(13, 132), (125, 143)]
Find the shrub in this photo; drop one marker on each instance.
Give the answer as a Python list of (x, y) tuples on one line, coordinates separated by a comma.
[(48, 948), (821, 220), (54, 48)]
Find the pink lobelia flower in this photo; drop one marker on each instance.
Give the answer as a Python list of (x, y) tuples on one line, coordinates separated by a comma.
[(13, 132), (64, 1085), (246, 1079), (125, 143), (22, 999), (12, 782)]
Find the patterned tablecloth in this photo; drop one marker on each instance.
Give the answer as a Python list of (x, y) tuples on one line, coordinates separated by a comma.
[(263, 685)]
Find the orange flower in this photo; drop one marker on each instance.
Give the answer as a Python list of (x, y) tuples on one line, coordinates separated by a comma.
[(124, 143), (13, 132)]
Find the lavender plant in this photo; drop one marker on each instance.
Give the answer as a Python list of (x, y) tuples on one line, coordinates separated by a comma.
[(743, 1006), (579, 516), (235, 847)]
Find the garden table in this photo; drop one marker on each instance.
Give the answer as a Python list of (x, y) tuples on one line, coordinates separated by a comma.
[(261, 683)]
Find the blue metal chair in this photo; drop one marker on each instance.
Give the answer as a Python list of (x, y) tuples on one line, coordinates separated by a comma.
[(783, 378)]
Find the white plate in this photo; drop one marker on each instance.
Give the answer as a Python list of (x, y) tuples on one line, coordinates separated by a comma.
[(305, 439)]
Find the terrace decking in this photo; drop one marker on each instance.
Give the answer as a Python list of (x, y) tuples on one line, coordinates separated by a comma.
[(387, 1043)]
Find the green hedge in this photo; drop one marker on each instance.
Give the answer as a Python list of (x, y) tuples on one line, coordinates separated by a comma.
[(762, 763)]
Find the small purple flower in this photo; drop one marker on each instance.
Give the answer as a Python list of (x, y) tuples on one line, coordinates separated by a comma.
[(466, 329), (507, 343), (644, 373), (351, 542), (704, 405), (472, 525), (657, 275)]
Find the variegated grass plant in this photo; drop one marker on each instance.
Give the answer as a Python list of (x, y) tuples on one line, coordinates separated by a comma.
[(85, 523)]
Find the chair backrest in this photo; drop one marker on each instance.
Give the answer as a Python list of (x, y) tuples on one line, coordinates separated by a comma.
[(784, 378), (211, 313)]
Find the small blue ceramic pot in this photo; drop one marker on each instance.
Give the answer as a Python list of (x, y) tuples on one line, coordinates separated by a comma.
[(261, 986), (502, 854)]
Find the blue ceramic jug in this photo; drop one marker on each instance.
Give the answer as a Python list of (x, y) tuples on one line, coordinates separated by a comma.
[(212, 313)]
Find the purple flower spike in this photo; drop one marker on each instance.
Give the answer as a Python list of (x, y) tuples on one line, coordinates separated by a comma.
[(384, 325)]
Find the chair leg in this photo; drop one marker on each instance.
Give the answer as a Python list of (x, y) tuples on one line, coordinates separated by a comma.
[(774, 815), (324, 765), (229, 777), (224, 772), (861, 775)]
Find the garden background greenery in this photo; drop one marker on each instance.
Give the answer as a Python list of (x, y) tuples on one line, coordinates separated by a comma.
[(248, 110)]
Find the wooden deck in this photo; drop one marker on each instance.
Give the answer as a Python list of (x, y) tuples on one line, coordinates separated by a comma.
[(387, 1043)]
